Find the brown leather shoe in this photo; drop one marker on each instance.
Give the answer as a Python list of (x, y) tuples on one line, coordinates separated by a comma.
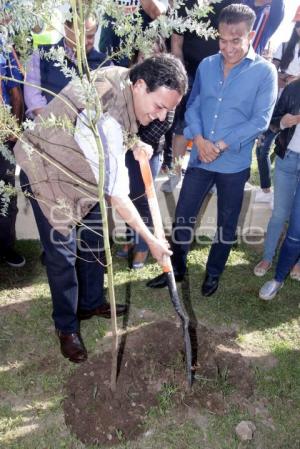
[(103, 311), (72, 347)]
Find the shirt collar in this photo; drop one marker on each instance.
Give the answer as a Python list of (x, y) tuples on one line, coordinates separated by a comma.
[(249, 55)]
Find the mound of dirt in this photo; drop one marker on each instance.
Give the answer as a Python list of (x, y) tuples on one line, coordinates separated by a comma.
[(151, 359)]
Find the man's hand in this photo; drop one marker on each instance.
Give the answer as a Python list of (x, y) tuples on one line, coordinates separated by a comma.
[(159, 250), (141, 149), (221, 145), (289, 120), (207, 151)]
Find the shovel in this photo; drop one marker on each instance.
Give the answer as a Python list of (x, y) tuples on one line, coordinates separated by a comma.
[(167, 268)]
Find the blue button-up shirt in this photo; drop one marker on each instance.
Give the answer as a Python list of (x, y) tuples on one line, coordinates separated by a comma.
[(235, 109)]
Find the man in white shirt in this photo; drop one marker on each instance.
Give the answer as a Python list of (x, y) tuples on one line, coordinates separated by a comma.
[(61, 171)]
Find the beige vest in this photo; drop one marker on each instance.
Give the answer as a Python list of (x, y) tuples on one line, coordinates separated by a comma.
[(65, 201)]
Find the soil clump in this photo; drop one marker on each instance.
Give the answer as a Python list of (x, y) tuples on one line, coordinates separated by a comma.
[(152, 374)]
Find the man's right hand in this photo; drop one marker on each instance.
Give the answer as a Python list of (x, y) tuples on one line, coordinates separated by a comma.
[(159, 250), (207, 151), (141, 149)]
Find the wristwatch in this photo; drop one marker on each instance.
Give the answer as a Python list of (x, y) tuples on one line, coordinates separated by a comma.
[(218, 146)]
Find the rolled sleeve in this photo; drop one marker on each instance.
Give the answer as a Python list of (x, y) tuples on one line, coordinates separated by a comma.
[(193, 120), (193, 115), (262, 112)]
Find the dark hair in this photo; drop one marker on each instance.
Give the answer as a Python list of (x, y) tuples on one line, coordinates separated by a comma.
[(289, 50), (162, 70), (237, 13), (159, 42)]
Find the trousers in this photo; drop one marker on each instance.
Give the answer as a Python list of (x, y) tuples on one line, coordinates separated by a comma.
[(8, 221), (75, 264), (196, 185)]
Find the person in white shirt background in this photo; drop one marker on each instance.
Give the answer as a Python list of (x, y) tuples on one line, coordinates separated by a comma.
[(287, 171), (286, 120), (287, 61)]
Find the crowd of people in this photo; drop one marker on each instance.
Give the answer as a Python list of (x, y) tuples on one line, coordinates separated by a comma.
[(218, 94)]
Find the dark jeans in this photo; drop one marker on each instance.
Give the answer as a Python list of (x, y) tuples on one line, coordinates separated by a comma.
[(263, 159), (290, 250), (8, 222), (167, 152), (138, 196), (196, 185), (74, 265)]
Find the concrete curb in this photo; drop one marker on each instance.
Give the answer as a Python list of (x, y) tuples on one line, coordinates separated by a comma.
[(253, 220)]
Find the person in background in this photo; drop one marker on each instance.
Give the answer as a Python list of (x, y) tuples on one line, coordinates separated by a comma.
[(10, 95), (231, 103), (110, 42), (191, 49), (43, 72), (286, 121), (269, 15), (287, 61)]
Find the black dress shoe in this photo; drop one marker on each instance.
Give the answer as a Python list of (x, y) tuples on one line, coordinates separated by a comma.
[(103, 311), (72, 347), (210, 285), (161, 281)]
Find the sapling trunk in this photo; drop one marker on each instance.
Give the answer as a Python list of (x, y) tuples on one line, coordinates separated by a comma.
[(79, 28)]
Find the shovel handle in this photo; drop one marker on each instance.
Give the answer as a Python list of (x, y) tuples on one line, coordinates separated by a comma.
[(167, 268), (154, 207)]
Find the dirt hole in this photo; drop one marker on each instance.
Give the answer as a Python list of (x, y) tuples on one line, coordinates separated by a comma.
[(152, 374)]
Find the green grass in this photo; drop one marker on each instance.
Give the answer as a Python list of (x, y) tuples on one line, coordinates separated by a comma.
[(33, 373)]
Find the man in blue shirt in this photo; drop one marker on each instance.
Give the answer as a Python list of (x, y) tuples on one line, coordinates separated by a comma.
[(231, 103), (11, 95)]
